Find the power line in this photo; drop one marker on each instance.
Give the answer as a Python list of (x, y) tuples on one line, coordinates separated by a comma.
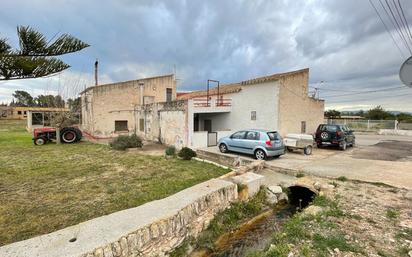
[(406, 21), (387, 29), (362, 91), (368, 99), (395, 24), (403, 28), (366, 92)]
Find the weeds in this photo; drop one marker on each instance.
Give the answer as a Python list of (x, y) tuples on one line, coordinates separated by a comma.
[(392, 213), (300, 175), (342, 178)]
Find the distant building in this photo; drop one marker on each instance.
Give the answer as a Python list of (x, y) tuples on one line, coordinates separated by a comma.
[(150, 108), (35, 116)]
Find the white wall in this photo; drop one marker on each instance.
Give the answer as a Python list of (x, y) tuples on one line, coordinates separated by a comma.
[(199, 139), (262, 98)]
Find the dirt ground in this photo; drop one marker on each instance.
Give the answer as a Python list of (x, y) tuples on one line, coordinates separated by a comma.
[(378, 218), (392, 150)]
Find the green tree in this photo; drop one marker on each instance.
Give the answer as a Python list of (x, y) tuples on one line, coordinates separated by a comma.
[(22, 98), (74, 104), (36, 56), (378, 113), (49, 101), (404, 117), (332, 114)]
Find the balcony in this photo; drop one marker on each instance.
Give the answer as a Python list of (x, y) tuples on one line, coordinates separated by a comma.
[(203, 105)]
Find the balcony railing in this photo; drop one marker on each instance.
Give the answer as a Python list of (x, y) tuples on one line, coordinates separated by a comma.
[(220, 102)]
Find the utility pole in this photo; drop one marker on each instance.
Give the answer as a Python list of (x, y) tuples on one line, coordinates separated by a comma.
[(96, 69)]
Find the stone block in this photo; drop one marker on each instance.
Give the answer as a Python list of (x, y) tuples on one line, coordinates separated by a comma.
[(275, 189), (251, 181)]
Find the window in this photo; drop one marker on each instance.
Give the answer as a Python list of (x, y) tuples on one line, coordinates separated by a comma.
[(239, 135), (252, 135), (253, 115), (141, 124), (19, 112), (25, 113), (37, 118), (273, 136), (303, 127), (169, 92), (120, 125), (330, 128)]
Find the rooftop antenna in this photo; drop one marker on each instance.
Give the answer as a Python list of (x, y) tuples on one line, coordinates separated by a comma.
[(405, 73), (316, 92), (96, 69)]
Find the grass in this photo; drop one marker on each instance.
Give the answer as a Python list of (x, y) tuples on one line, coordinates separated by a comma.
[(342, 178), (392, 214), (224, 222), (300, 175), (46, 188), (311, 235)]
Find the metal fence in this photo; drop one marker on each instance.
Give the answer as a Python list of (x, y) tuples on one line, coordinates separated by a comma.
[(371, 125)]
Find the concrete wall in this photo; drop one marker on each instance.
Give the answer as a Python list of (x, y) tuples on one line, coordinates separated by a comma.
[(102, 105), (164, 122), (296, 106), (152, 229)]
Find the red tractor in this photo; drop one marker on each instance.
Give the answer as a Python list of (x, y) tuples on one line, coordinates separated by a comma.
[(68, 135)]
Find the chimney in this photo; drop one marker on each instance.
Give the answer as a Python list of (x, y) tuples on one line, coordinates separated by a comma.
[(96, 69)]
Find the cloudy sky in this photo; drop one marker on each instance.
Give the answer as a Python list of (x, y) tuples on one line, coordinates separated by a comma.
[(343, 43)]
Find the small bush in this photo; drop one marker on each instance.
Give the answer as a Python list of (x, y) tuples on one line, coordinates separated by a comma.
[(342, 178), (186, 153), (124, 142), (170, 151)]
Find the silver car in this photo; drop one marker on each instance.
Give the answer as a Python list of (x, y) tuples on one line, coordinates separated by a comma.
[(261, 143)]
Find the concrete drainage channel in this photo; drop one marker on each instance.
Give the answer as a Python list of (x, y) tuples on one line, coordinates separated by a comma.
[(256, 233), (157, 228)]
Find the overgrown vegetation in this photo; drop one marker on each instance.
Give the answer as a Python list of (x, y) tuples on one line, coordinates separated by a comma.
[(342, 178), (300, 175), (49, 187), (124, 142), (170, 151), (186, 153), (311, 235), (225, 222)]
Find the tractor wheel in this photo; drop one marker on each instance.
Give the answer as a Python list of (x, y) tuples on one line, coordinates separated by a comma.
[(79, 134), (40, 141), (68, 135)]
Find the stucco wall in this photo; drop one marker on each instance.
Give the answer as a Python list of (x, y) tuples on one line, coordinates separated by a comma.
[(164, 122), (152, 229), (102, 105), (296, 106)]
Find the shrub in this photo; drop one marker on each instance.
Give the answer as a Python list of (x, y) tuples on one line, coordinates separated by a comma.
[(170, 151), (186, 153), (124, 142)]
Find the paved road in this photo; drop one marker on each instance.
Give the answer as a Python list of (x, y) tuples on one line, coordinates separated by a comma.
[(371, 139), (376, 158)]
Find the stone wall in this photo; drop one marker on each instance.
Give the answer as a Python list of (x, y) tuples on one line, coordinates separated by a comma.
[(102, 105), (152, 229)]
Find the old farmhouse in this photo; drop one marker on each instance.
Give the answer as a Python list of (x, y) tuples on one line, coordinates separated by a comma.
[(150, 107)]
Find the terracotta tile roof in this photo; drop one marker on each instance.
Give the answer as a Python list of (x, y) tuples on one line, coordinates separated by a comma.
[(236, 87), (273, 77)]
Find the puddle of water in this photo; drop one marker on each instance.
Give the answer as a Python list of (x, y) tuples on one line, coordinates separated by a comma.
[(253, 235)]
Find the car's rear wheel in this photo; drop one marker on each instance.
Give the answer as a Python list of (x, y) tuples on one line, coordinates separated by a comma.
[(260, 154), (343, 145), (307, 150), (40, 141), (223, 148)]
